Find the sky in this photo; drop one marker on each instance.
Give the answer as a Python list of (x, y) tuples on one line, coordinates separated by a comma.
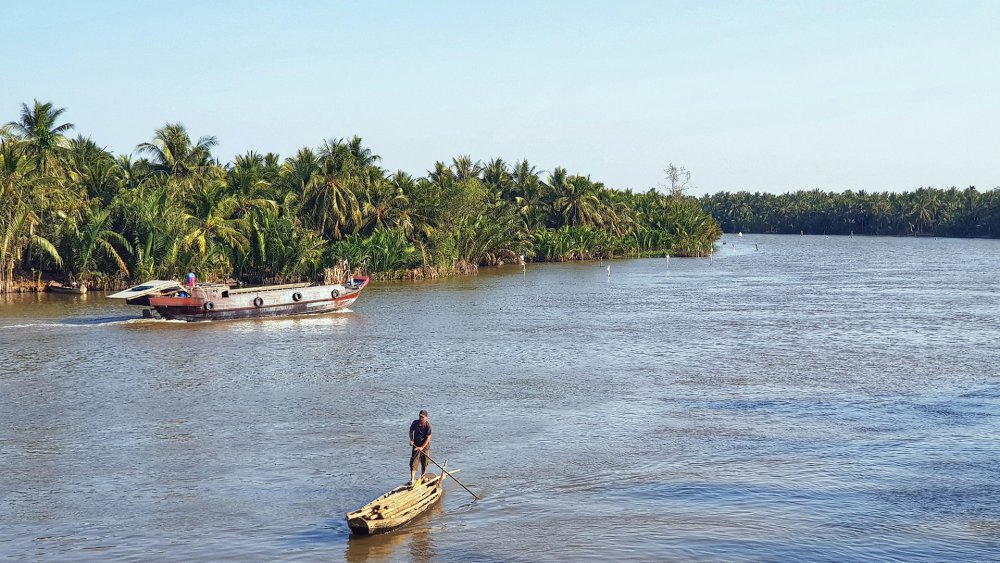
[(746, 95)]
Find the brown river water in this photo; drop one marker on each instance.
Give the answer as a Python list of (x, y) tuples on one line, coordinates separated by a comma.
[(792, 398)]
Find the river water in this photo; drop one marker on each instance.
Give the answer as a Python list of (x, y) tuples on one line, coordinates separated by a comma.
[(817, 398)]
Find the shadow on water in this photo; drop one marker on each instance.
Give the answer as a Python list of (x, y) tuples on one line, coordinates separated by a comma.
[(413, 541), (416, 540)]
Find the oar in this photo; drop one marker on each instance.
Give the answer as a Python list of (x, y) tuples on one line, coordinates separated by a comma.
[(446, 472)]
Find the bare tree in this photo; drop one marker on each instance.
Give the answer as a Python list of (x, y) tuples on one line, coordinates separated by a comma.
[(677, 179)]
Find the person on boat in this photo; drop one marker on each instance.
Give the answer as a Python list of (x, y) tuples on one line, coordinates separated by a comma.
[(420, 444)]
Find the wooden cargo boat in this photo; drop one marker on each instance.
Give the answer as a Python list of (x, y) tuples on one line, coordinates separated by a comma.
[(397, 507), (217, 302), (73, 289)]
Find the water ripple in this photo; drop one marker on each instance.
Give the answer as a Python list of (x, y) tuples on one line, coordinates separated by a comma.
[(821, 399)]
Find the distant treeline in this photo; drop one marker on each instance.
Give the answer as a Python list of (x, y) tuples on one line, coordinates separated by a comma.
[(74, 210), (926, 211)]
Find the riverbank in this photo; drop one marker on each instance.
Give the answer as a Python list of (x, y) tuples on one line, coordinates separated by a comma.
[(23, 284)]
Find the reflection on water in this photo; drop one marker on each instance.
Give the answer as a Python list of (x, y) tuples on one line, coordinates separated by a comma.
[(336, 320), (792, 398), (414, 542)]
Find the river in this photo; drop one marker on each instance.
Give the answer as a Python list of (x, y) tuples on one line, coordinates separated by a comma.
[(817, 398)]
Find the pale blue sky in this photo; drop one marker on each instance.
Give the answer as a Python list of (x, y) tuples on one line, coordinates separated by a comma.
[(770, 96)]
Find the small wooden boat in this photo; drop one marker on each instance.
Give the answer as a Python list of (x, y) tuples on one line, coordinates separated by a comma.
[(74, 289), (397, 507)]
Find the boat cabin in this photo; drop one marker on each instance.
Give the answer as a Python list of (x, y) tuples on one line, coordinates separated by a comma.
[(140, 294)]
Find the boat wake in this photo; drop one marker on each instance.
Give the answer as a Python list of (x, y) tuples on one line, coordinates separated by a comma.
[(132, 321), (82, 323)]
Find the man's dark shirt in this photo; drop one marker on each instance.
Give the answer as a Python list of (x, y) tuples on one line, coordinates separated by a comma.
[(420, 433)]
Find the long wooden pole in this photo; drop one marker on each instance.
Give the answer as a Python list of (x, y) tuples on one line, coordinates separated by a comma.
[(446, 472)]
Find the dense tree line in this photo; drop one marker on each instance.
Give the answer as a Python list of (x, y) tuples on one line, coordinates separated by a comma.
[(72, 209), (926, 211)]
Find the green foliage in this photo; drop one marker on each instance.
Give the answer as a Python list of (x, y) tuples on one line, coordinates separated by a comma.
[(42, 139), (441, 249), (279, 251), (18, 221), (385, 250), (951, 212), (492, 236), (76, 210), (89, 245), (172, 153)]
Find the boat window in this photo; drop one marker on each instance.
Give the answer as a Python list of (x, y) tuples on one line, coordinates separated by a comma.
[(225, 294), (141, 288)]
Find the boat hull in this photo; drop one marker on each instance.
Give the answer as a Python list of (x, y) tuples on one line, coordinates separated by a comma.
[(197, 312), (67, 289), (397, 507)]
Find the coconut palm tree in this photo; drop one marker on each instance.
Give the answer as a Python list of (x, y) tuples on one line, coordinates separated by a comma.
[(577, 201), (85, 241), (171, 152), (17, 236), (298, 171), (279, 251), (496, 176), (441, 174), (213, 232), (405, 216), (339, 156), (154, 224), (363, 156), (246, 179), (531, 195), (385, 203), (92, 169), (328, 204), (17, 219), (491, 236), (464, 168), (615, 211), (43, 137)]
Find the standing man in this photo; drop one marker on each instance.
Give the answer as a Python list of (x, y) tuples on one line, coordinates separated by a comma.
[(420, 441)]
